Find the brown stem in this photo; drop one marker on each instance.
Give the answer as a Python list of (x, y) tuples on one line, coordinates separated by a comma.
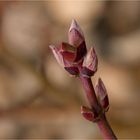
[(102, 123)]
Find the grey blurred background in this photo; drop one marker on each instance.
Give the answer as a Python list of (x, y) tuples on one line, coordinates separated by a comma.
[(38, 99)]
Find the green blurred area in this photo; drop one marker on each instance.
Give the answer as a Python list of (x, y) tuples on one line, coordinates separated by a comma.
[(38, 99)]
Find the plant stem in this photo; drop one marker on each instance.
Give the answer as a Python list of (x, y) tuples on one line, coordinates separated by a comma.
[(102, 123), (90, 93), (106, 129)]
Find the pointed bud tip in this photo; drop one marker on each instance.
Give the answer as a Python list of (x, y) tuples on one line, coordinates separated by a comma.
[(101, 84), (58, 56), (100, 88), (102, 95), (97, 81), (51, 47), (74, 25), (100, 80), (92, 50)]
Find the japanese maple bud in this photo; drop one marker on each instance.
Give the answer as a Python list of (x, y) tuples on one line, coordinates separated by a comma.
[(90, 63), (89, 114), (77, 40), (75, 35), (102, 95), (60, 57)]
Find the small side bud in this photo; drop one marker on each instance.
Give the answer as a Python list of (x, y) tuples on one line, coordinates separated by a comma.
[(76, 36), (89, 114), (102, 95), (90, 63)]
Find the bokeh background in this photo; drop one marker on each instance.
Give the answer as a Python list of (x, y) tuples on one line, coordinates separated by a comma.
[(38, 99)]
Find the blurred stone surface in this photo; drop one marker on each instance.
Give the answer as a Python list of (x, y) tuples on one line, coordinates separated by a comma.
[(8, 129), (18, 82), (129, 46), (120, 17), (25, 29), (118, 32)]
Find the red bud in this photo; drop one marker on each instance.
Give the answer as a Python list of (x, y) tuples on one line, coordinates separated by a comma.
[(76, 36), (89, 114), (90, 63), (62, 58), (71, 55), (68, 52), (102, 95), (57, 55)]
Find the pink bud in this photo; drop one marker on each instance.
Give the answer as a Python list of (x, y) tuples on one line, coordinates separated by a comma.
[(71, 55), (89, 114), (62, 58), (57, 55), (102, 95), (76, 36), (90, 63)]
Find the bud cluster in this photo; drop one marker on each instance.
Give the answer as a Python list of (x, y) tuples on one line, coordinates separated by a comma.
[(75, 59), (74, 54)]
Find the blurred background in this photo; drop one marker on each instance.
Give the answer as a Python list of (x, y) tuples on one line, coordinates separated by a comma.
[(38, 99)]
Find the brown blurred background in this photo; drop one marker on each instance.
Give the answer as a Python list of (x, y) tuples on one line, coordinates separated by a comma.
[(38, 99)]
